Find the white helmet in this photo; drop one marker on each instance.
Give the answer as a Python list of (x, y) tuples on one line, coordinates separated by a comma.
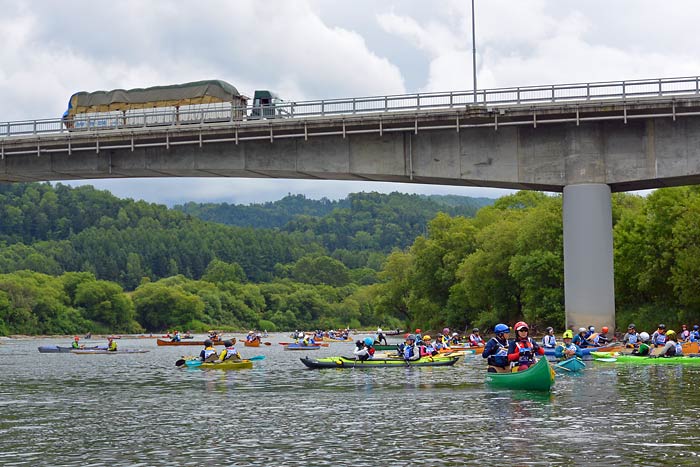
[(379, 329), (454, 334), (644, 336), (582, 329)]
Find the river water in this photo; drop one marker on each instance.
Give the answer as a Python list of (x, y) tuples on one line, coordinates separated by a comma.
[(95, 410)]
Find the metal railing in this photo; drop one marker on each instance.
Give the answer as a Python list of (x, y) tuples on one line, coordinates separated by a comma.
[(564, 93)]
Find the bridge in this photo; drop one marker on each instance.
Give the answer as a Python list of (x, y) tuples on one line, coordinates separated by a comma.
[(585, 140)]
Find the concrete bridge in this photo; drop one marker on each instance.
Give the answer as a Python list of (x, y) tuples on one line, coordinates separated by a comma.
[(584, 140)]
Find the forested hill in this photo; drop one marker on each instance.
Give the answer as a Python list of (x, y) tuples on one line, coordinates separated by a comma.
[(362, 222)]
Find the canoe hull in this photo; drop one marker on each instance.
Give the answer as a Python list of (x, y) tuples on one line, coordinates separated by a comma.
[(225, 365), (162, 342), (637, 360), (349, 363), (301, 347), (106, 352), (539, 377), (62, 349), (255, 343)]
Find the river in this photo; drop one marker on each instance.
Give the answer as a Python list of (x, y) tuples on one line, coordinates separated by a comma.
[(140, 410)]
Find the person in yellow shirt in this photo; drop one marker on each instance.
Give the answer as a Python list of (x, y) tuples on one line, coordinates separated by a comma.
[(111, 345), (229, 352)]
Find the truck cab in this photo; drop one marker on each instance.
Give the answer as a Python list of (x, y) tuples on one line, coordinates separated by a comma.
[(267, 104)]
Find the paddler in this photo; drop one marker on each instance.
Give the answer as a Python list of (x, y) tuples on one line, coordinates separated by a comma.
[(475, 339), (427, 349), (644, 347), (549, 341), (580, 338), (672, 348), (496, 350), (631, 339), (568, 349), (111, 345), (364, 350), (208, 354), (76, 344), (229, 352), (522, 350), (658, 339), (409, 351), (601, 339)]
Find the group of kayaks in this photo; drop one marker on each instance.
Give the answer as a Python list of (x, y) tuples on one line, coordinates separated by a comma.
[(617, 357)]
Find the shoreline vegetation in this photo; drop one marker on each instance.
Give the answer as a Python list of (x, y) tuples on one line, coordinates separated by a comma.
[(79, 260)]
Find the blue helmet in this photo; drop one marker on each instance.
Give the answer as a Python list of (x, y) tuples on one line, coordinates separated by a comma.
[(369, 341), (501, 328)]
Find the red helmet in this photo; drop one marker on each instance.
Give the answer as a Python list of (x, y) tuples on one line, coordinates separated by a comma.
[(521, 324), (417, 331), (605, 329)]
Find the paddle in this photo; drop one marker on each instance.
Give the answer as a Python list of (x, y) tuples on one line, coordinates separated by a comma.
[(559, 367), (607, 360), (257, 357), (180, 362), (267, 343)]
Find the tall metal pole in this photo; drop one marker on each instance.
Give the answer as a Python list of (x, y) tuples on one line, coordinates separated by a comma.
[(473, 51)]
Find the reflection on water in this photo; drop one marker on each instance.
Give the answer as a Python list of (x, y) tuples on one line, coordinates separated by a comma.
[(79, 410)]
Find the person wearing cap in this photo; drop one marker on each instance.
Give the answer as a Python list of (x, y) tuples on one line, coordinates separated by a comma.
[(428, 348), (441, 342), (475, 340), (76, 344), (567, 349), (549, 341), (631, 338), (658, 339), (522, 349), (684, 335), (643, 349), (496, 350), (176, 336), (580, 339), (229, 352), (672, 347), (408, 350), (111, 345), (208, 354), (454, 340)]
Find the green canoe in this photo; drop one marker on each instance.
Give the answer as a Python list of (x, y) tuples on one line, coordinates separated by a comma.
[(346, 362), (539, 377), (693, 359)]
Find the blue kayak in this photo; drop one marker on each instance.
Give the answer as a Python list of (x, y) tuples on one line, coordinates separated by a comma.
[(586, 352), (572, 365)]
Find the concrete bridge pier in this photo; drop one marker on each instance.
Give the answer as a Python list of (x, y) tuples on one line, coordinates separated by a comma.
[(589, 289)]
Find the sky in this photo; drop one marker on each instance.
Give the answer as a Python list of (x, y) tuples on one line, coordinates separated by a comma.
[(313, 49)]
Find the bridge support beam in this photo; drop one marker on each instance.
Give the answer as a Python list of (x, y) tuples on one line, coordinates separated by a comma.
[(589, 290)]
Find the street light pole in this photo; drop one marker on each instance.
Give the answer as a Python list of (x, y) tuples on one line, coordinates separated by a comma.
[(473, 51)]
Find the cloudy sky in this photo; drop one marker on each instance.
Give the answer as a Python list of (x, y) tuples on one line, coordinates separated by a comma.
[(310, 49)]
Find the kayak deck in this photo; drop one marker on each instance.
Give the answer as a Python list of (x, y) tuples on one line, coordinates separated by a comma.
[(225, 365), (347, 362), (539, 377)]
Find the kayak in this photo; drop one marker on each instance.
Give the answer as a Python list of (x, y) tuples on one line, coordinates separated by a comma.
[(539, 377), (585, 352), (255, 343), (62, 349), (318, 344), (301, 347), (225, 365), (162, 342), (106, 352), (571, 364), (693, 359), (347, 362)]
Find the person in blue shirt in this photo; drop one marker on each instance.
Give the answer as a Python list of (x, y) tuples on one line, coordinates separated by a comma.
[(695, 334), (567, 349), (496, 350), (409, 349)]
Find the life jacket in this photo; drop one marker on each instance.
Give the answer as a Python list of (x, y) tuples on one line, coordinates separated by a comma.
[(660, 339), (112, 346), (549, 341), (685, 335), (228, 352), (527, 351), (208, 352), (565, 347), (409, 351), (370, 351), (694, 336), (75, 345), (679, 348), (632, 338), (475, 340), (500, 357)]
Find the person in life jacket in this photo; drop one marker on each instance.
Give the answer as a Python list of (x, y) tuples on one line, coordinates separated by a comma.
[(176, 337), (409, 351), (496, 350), (672, 348), (601, 339), (475, 340), (658, 339), (441, 342), (549, 341), (589, 332), (567, 349), (455, 339), (419, 337), (364, 349), (428, 348), (522, 350), (229, 352), (111, 345), (76, 344), (380, 337), (580, 339), (446, 335), (208, 354), (643, 349), (695, 334), (684, 335), (631, 339)]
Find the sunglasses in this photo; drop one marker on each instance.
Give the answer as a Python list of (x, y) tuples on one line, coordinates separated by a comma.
[(523, 330)]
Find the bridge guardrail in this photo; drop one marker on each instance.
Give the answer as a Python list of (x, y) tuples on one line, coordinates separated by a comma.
[(565, 93)]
